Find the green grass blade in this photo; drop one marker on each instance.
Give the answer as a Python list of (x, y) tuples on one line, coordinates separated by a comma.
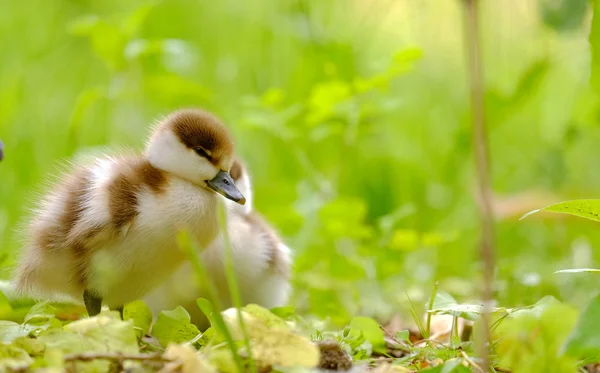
[(578, 270), (186, 245), (233, 284), (417, 318)]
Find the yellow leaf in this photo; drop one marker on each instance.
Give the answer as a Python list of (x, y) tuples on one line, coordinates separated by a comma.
[(191, 361)]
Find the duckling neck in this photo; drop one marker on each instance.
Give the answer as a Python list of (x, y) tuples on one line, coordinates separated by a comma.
[(198, 207)]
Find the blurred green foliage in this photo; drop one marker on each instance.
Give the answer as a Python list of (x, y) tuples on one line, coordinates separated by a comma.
[(353, 116)]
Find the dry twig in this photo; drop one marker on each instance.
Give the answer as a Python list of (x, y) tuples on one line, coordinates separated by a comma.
[(115, 356), (399, 344), (471, 362)]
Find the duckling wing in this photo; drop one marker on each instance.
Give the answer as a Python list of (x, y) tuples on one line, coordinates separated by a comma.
[(93, 207)]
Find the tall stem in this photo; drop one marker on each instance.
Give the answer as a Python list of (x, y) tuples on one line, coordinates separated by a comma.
[(480, 145)]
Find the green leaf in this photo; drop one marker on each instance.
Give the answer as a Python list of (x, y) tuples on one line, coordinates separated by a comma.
[(403, 335), (529, 81), (371, 331), (131, 24), (208, 336), (408, 55), (266, 316), (284, 312), (40, 313), (10, 330), (563, 15), (579, 270), (12, 357), (529, 339), (207, 308), (345, 217), (103, 330), (39, 317), (140, 314), (138, 48), (443, 300), (346, 332), (454, 366), (585, 208), (445, 304), (324, 99), (32, 345), (103, 333), (174, 326), (5, 306), (83, 26), (584, 341)]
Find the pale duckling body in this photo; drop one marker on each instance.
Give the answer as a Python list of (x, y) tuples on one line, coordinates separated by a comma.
[(107, 232), (260, 259)]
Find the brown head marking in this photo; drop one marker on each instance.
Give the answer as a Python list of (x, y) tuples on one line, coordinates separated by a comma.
[(199, 129)]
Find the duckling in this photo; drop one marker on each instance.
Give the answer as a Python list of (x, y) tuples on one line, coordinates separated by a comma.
[(261, 262), (107, 232)]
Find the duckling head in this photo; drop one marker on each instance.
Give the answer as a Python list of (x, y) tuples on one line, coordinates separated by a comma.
[(194, 145)]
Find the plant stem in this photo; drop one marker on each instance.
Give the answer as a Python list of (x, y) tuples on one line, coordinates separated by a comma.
[(429, 308), (455, 338), (480, 145)]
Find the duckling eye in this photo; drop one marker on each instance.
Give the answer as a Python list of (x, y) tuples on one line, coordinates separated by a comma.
[(201, 152)]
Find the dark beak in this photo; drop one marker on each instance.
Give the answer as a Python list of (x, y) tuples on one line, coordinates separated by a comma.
[(224, 185)]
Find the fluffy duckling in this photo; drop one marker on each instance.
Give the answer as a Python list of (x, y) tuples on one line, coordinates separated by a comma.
[(107, 232), (261, 262)]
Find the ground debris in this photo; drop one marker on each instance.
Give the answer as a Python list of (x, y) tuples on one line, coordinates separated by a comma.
[(389, 368), (333, 357), (593, 368)]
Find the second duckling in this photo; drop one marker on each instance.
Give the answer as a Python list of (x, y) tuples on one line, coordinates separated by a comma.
[(260, 259)]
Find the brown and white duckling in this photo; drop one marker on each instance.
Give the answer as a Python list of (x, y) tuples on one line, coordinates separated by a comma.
[(107, 232), (261, 262)]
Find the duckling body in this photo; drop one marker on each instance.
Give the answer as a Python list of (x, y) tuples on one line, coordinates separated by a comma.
[(108, 231), (260, 259)]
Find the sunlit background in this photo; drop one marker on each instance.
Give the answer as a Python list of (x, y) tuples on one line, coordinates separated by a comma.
[(353, 116)]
